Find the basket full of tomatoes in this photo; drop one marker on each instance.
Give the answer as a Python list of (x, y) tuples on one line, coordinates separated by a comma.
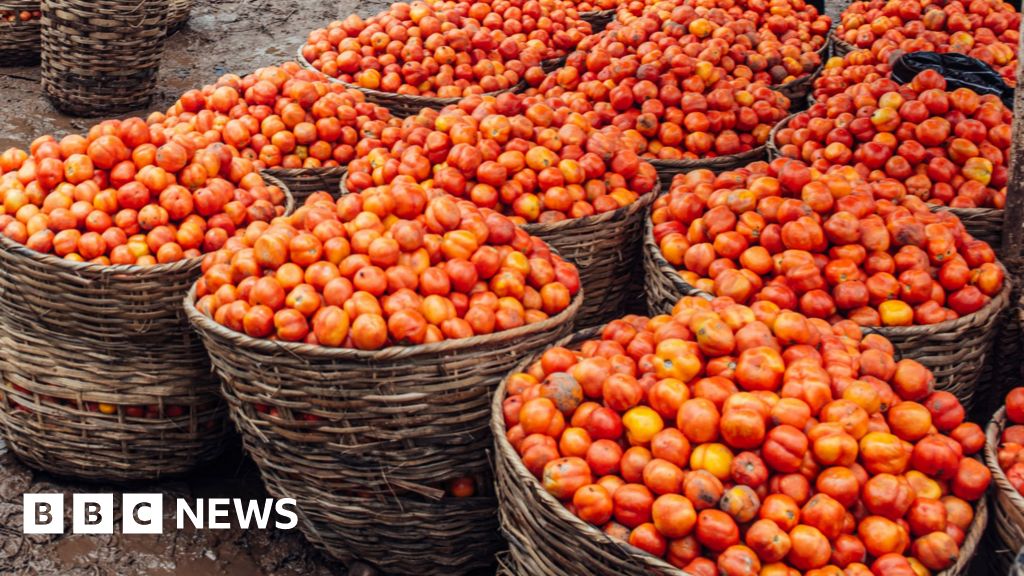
[(431, 54), (295, 125), (101, 238), (19, 33), (582, 191), (947, 147), (723, 439), (359, 342), (833, 246), (1004, 454)]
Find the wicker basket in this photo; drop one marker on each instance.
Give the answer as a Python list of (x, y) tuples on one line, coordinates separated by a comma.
[(663, 286), (798, 90), (401, 105), (178, 14), (90, 350), (667, 169), (606, 250), (840, 47), (19, 40), (101, 57), (386, 425), (302, 182), (773, 149), (545, 539), (598, 19), (1007, 504)]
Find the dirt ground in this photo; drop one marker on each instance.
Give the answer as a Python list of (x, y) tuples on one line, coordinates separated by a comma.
[(221, 36)]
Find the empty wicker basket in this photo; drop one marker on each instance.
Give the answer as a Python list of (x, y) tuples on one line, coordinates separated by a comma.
[(19, 33), (101, 57), (362, 438)]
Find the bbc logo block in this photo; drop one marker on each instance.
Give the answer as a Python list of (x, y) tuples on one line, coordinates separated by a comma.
[(144, 513)]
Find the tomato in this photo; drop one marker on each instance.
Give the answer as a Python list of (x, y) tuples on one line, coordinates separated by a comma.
[(674, 516), (564, 476), (632, 505), (716, 530), (809, 548)]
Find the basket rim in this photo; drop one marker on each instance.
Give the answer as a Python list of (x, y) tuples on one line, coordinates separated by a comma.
[(92, 269), (509, 454), (278, 172), (427, 101), (842, 44), (773, 149), (598, 13), (205, 324), (992, 430), (993, 308), (977, 211), (684, 164)]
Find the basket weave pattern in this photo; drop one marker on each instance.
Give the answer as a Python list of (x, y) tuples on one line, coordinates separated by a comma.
[(358, 433), (667, 169), (663, 286), (598, 19), (19, 40), (178, 14), (101, 56)]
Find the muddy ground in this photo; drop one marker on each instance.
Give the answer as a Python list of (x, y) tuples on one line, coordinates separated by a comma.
[(222, 36)]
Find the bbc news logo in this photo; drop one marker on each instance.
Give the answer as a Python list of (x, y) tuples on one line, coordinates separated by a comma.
[(143, 513)]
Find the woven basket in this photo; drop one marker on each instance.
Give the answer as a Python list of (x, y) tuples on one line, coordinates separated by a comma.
[(388, 424), (545, 539), (840, 47), (606, 250), (19, 40), (101, 57), (401, 105), (667, 169), (1007, 504), (598, 19), (302, 182), (178, 14), (798, 90), (773, 149), (78, 335), (663, 286)]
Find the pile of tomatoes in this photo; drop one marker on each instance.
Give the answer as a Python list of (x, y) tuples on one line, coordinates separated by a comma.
[(521, 156), (283, 116), (775, 41), (984, 29), (945, 147), (393, 265), (446, 49), (731, 440), (129, 194), (1010, 455), (677, 94), (856, 67), (827, 245), (20, 15)]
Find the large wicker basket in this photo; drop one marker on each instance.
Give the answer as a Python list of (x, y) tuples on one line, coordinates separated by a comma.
[(667, 169), (101, 57), (302, 182), (19, 39), (102, 376), (402, 105), (546, 539), (1007, 533), (982, 223), (360, 432), (955, 351)]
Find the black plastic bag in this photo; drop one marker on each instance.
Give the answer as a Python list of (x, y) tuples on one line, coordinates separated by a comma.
[(960, 71)]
